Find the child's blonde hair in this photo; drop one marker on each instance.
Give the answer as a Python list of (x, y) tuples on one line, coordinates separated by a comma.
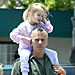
[(33, 8)]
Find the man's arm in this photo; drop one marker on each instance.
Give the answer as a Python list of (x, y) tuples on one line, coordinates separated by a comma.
[(16, 68), (59, 69)]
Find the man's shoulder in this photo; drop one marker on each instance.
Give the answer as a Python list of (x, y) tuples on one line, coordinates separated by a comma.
[(50, 51), (16, 67)]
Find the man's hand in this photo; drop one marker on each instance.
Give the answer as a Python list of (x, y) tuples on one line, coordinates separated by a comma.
[(59, 69)]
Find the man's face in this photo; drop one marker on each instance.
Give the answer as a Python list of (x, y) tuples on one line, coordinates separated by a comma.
[(39, 41)]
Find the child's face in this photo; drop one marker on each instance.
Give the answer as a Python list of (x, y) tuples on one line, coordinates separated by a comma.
[(38, 16)]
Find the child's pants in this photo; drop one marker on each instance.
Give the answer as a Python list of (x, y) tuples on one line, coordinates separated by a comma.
[(24, 58)]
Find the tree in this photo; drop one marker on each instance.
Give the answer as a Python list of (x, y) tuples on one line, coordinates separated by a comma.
[(50, 4)]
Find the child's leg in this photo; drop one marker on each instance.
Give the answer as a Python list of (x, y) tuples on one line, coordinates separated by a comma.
[(24, 58), (52, 56)]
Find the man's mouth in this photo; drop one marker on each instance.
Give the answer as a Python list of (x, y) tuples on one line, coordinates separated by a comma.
[(39, 47)]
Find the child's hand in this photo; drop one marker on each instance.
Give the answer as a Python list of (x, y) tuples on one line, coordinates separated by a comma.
[(44, 19), (29, 40), (26, 38)]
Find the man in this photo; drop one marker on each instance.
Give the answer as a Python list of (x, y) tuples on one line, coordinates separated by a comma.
[(39, 63)]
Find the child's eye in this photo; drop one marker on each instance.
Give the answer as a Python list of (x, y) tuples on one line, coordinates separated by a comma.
[(38, 14), (42, 16)]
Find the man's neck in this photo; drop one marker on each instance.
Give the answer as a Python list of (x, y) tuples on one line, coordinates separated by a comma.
[(38, 54)]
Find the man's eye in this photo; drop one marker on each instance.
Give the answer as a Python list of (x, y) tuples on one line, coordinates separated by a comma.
[(39, 40), (36, 39), (42, 39)]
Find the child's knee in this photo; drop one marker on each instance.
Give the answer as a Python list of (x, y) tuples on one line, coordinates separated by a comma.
[(25, 53)]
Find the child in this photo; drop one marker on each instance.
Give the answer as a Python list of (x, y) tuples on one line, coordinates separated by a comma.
[(32, 16)]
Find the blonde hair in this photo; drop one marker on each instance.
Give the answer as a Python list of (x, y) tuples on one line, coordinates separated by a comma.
[(33, 8), (39, 29)]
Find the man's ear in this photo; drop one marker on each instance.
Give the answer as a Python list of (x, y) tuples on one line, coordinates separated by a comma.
[(31, 41)]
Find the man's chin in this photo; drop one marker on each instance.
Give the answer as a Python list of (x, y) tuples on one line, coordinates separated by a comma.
[(40, 49)]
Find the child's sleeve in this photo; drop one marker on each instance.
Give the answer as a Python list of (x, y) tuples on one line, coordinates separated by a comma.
[(16, 34), (48, 27)]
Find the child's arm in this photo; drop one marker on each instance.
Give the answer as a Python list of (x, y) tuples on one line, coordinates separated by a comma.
[(18, 33), (48, 27), (26, 38), (16, 37)]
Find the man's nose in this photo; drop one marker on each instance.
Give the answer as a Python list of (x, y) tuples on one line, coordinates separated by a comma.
[(40, 41)]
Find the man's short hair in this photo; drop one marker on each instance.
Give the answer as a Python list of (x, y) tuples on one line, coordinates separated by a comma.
[(41, 30)]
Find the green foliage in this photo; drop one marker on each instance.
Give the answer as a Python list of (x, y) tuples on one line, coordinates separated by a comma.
[(50, 4)]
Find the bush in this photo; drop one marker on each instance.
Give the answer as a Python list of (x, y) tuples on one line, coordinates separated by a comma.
[(50, 4)]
